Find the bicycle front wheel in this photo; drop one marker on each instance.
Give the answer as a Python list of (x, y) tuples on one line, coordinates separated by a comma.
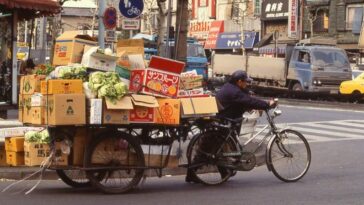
[(289, 156)]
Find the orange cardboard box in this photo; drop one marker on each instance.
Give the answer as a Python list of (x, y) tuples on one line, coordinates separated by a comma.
[(14, 144), (14, 158), (62, 87), (168, 112)]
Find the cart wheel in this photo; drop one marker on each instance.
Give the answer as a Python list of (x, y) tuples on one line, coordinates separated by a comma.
[(74, 178), (77, 178), (120, 157)]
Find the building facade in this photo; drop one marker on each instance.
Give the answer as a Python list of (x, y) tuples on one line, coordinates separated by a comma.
[(338, 19)]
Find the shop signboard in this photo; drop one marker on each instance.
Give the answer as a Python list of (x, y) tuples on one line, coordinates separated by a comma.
[(292, 18), (275, 9)]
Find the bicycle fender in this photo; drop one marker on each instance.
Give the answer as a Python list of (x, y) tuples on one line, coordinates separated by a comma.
[(268, 162)]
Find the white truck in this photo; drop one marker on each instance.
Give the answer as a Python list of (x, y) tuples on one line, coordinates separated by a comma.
[(306, 67)]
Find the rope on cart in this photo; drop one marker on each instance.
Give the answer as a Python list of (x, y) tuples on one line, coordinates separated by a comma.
[(45, 165)]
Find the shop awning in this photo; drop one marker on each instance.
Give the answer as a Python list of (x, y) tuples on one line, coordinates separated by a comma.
[(271, 49), (37, 7), (231, 40)]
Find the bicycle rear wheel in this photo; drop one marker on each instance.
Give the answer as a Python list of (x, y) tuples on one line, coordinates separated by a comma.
[(119, 156), (289, 156), (205, 157)]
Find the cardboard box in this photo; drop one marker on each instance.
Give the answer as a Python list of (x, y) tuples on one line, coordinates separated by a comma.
[(20, 108), (143, 111), (166, 64), (27, 108), (66, 109), (92, 59), (191, 82), (168, 112), (30, 84), (156, 156), (14, 158), (78, 147), (37, 100), (117, 112), (154, 82), (38, 115), (14, 144), (3, 158), (199, 106), (69, 47), (125, 47), (35, 153), (62, 87), (95, 110), (125, 155), (199, 92)]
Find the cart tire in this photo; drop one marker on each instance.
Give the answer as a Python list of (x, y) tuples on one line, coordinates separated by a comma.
[(112, 150), (74, 178)]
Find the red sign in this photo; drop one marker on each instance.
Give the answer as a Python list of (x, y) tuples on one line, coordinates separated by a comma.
[(216, 28), (154, 82), (110, 18)]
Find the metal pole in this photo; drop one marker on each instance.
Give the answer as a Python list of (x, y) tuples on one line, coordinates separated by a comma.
[(242, 27), (101, 36), (14, 88), (169, 22)]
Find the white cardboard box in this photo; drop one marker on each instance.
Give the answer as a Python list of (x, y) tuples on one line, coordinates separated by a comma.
[(98, 61), (96, 111)]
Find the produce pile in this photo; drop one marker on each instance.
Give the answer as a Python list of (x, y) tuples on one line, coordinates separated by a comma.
[(107, 84), (75, 71), (37, 137)]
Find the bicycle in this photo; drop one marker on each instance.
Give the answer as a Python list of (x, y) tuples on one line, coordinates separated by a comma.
[(216, 154)]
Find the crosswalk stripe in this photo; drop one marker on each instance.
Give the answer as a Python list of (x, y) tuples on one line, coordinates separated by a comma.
[(309, 137), (347, 123), (317, 131), (338, 128)]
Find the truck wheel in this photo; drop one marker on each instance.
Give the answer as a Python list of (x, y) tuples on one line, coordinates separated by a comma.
[(297, 87)]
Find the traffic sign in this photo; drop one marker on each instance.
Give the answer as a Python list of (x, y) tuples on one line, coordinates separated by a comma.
[(130, 24), (110, 36), (110, 18), (131, 8)]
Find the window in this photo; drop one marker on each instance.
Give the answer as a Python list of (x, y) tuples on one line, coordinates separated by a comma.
[(321, 24), (354, 16), (257, 7)]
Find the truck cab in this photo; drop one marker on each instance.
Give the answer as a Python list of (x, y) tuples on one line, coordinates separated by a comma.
[(318, 68)]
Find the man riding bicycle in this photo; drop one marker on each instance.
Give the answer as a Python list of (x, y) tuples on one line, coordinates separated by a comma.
[(234, 99)]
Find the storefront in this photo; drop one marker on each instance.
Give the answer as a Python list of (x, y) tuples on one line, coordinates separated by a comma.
[(229, 42), (275, 17), (11, 12)]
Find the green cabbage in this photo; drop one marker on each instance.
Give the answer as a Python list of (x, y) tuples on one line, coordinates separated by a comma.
[(107, 84), (37, 137)]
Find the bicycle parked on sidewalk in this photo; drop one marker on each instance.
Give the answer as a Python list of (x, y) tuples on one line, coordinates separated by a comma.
[(216, 154)]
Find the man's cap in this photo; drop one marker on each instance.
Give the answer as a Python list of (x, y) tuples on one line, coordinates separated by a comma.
[(240, 75)]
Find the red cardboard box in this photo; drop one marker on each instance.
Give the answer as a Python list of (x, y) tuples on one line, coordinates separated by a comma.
[(143, 111), (154, 82), (166, 64)]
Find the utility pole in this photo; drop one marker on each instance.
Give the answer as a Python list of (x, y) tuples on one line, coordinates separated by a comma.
[(101, 36), (181, 30)]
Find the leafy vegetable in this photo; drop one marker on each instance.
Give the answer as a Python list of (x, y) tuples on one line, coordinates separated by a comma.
[(107, 85), (72, 72), (37, 137), (44, 69)]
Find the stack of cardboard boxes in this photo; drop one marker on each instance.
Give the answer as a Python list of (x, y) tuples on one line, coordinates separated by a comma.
[(14, 147)]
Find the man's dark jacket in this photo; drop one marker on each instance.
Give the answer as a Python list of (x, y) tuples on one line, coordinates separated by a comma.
[(236, 101)]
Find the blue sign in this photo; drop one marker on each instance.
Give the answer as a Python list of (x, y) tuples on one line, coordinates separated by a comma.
[(232, 40), (131, 8)]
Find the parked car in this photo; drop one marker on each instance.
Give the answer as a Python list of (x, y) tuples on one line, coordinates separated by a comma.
[(354, 87)]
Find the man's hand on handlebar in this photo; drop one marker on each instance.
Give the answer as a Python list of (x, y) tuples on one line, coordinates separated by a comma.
[(273, 103)]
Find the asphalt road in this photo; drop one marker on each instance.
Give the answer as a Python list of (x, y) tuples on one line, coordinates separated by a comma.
[(336, 175)]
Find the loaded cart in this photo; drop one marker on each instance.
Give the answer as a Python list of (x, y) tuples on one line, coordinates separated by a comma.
[(94, 130)]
